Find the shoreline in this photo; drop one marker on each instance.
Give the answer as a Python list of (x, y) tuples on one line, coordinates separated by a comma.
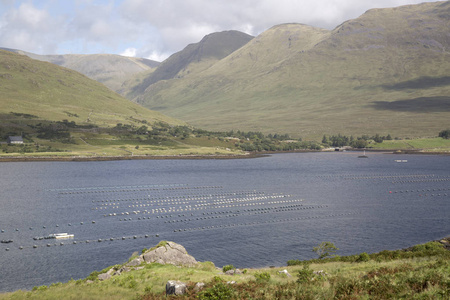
[(116, 158), (212, 156)]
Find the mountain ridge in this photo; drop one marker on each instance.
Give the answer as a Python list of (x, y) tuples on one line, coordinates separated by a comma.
[(329, 84)]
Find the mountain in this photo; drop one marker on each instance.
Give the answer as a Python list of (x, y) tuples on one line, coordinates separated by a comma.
[(387, 71), (54, 93), (194, 58), (109, 69)]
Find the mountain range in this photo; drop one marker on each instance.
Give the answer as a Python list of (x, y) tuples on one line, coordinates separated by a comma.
[(387, 71)]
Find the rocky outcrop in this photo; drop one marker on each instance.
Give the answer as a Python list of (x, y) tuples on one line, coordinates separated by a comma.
[(169, 253), (164, 253)]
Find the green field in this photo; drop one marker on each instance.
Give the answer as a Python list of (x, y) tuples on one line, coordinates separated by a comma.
[(424, 144)]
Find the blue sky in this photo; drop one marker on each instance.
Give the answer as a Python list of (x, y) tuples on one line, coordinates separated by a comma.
[(156, 29)]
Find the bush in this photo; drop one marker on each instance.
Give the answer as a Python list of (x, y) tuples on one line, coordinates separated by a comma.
[(262, 277), (305, 274), (363, 257), (218, 291), (227, 268)]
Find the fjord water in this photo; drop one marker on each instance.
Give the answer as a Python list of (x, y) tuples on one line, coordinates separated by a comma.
[(246, 212)]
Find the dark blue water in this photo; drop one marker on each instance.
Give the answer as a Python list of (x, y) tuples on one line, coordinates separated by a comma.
[(245, 212)]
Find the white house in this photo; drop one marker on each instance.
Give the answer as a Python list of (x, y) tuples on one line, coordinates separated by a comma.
[(14, 140)]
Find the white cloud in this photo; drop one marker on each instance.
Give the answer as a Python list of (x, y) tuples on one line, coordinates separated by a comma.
[(157, 28), (130, 52)]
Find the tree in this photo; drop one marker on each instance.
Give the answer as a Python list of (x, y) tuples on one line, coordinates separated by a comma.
[(359, 143), (325, 249), (445, 134)]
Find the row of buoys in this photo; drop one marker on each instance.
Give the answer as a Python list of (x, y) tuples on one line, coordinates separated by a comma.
[(244, 212), (262, 222), (115, 187), (419, 191), (77, 192), (45, 226), (87, 241), (206, 206), (188, 197), (115, 205), (423, 180)]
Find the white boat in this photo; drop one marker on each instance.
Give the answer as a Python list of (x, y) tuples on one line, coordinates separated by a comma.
[(62, 236), (364, 155)]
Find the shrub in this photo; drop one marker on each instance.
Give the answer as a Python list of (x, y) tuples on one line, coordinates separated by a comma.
[(363, 257), (227, 268), (262, 277), (325, 249), (305, 274), (216, 292)]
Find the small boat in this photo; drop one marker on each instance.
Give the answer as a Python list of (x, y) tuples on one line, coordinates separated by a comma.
[(6, 241), (61, 236), (401, 160), (364, 155)]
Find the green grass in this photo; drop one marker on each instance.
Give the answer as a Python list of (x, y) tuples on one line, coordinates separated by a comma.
[(426, 144), (421, 273)]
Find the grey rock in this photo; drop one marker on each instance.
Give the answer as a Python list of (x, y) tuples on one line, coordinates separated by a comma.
[(229, 272), (198, 286), (233, 272), (135, 262), (171, 253), (285, 272), (124, 269), (174, 287), (103, 276)]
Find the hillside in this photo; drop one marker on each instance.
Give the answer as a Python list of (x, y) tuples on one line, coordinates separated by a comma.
[(109, 69), (194, 58), (387, 71), (53, 93)]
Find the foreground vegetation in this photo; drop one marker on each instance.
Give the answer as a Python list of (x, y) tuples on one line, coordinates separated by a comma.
[(420, 272)]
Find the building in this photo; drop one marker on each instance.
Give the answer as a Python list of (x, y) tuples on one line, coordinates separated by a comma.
[(14, 140)]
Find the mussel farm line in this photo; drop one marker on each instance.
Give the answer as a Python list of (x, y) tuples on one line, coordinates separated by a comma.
[(181, 208)]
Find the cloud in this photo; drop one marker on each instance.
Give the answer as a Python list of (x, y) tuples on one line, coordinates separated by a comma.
[(130, 52), (29, 28), (157, 28)]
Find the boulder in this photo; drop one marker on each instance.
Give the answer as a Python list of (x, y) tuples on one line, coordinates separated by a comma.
[(135, 262), (285, 272), (233, 272), (103, 276), (176, 288), (169, 253), (198, 286)]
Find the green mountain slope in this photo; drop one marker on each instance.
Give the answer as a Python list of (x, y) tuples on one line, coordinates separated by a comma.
[(387, 71), (54, 93), (194, 58), (109, 69)]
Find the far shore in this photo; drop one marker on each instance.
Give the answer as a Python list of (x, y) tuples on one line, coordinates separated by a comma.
[(23, 158)]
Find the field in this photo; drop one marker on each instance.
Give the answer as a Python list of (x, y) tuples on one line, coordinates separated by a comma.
[(424, 144)]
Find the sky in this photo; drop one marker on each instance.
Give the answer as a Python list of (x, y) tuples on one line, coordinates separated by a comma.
[(155, 29)]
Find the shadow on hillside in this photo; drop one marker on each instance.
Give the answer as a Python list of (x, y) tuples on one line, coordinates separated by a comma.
[(420, 105), (419, 83)]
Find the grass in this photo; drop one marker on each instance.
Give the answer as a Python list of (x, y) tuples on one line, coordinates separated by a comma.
[(426, 144), (423, 272)]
